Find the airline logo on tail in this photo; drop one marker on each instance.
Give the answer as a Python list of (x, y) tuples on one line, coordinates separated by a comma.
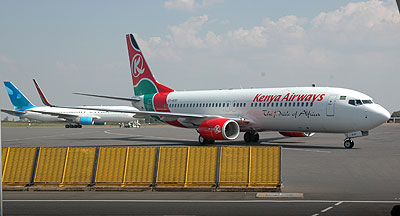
[(137, 63), (142, 78)]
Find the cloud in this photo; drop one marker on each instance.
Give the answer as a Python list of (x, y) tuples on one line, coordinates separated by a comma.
[(329, 38), (6, 59), (189, 5)]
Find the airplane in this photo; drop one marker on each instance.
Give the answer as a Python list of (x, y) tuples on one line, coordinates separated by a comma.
[(223, 114), (75, 118)]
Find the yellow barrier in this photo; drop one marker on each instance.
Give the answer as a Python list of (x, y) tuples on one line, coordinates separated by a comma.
[(4, 152), (78, 166), (234, 169), (265, 166), (18, 165), (201, 168), (139, 169), (172, 166), (136, 166), (51, 164), (111, 164)]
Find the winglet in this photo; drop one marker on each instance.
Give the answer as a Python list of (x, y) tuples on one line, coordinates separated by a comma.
[(42, 97)]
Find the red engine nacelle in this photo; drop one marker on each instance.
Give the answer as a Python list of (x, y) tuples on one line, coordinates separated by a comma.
[(219, 129), (297, 134)]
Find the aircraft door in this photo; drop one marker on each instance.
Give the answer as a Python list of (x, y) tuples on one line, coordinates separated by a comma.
[(228, 106), (330, 106)]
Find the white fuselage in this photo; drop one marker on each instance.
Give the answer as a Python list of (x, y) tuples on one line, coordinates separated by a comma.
[(100, 116), (307, 109)]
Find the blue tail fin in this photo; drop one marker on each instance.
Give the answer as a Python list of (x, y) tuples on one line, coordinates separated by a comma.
[(17, 98)]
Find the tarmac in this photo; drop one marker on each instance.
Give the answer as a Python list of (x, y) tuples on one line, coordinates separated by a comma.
[(331, 180)]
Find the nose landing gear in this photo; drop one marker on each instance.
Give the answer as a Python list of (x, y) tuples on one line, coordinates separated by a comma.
[(348, 143)]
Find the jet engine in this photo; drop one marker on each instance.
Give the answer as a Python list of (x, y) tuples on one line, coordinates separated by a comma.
[(219, 129), (297, 134), (85, 120)]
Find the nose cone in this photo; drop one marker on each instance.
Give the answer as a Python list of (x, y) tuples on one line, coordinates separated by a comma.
[(381, 115)]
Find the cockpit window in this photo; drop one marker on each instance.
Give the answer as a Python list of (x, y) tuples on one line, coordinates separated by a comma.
[(367, 101), (356, 102)]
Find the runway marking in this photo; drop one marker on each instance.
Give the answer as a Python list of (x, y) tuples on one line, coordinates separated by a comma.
[(338, 203), (218, 201), (28, 138), (327, 209), (121, 134), (307, 150)]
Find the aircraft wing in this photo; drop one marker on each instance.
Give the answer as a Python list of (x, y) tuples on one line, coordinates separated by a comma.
[(132, 99), (13, 112), (194, 119)]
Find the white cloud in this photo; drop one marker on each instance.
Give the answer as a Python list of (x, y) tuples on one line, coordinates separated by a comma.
[(360, 15), (255, 37), (189, 5)]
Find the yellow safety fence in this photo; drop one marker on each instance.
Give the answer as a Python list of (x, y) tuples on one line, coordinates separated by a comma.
[(143, 166)]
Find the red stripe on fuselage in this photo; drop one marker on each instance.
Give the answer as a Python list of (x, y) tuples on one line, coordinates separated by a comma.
[(160, 105)]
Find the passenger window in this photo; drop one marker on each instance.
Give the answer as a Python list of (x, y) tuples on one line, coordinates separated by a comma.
[(302, 103), (251, 105), (272, 104), (306, 104), (289, 104), (311, 104), (285, 104), (244, 104)]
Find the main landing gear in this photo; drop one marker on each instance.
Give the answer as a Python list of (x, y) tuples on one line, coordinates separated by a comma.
[(73, 125), (348, 143), (251, 136), (205, 141)]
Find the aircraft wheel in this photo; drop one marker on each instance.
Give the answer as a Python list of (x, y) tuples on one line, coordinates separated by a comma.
[(202, 140), (80, 126), (348, 143), (67, 126), (255, 137), (247, 137), (205, 141)]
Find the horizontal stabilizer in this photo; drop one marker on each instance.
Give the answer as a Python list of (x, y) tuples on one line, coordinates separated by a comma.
[(13, 112)]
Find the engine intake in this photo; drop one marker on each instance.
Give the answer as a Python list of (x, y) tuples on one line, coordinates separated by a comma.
[(297, 134), (219, 129)]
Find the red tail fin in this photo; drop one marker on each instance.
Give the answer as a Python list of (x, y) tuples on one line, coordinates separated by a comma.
[(142, 78)]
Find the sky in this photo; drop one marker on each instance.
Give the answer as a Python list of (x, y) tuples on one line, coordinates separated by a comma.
[(79, 46)]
